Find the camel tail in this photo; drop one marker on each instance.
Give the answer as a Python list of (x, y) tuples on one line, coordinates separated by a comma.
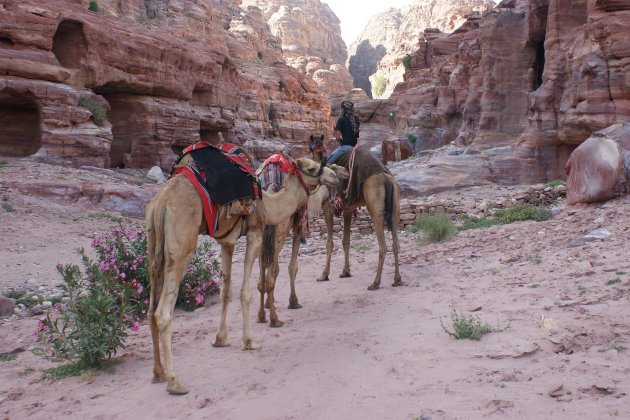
[(389, 204), (268, 245), (155, 250)]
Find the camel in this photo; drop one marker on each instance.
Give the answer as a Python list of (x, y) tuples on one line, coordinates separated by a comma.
[(319, 199), (380, 193), (395, 150), (174, 219)]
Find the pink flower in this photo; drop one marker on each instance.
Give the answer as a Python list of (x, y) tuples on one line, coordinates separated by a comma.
[(135, 325), (199, 299)]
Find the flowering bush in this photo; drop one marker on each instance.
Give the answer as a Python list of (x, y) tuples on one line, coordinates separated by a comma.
[(92, 324), (112, 295), (199, 280)]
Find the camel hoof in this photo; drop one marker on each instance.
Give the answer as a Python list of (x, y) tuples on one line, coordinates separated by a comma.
[(398, 283), (276, 324), (158, 379), (220, 342), (345, 275), (323, 279), (373, 287), (294, 305), (262, 319), (177, 389), (250, 345)]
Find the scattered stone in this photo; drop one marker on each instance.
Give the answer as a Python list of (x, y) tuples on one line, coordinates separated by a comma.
[(156, 174), (558, 391), (7, 306)]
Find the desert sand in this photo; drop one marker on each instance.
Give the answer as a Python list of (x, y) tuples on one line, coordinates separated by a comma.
[(350, 353)]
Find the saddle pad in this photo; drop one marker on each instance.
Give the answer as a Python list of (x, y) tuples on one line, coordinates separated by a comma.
[(221, 175), (362, 166)]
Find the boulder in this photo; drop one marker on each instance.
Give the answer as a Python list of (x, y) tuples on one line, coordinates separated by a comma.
[(597, 170)]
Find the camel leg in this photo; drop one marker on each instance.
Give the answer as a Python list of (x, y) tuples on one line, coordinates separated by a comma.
[(328, 216), (158, 370), (271, 285), (379, 230), (254, 243), (261, 289), (396, 248), (347, 221), (293, 269), (176, 262), (227, 251)]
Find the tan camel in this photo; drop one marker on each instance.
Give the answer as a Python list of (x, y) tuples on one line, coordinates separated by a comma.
[(381, 196), (316, 201), (174, 219)]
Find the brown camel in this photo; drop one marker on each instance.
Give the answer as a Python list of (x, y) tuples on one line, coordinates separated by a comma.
[(174, 219), (316, 201), (380, 193), (395, 150)]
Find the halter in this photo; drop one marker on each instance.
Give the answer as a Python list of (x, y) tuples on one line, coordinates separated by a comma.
[(322, 165)]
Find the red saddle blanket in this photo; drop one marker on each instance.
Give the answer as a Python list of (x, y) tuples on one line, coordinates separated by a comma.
[(221, 175)]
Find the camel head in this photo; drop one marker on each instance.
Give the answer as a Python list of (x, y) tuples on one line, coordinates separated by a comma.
[(341, 172), (315, 174)]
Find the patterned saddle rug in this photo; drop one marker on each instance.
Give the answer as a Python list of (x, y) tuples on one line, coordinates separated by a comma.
[(221, 175), (272, 174)]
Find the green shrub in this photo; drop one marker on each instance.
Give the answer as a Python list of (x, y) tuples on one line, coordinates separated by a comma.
[(555, 183), (467, 326), (110, 295), (406, 60), (3, 164), (94, 7), (437, 228), (92, 325), (411, 138), (99, 113), (379, 85), (522, 212), (472, 222)]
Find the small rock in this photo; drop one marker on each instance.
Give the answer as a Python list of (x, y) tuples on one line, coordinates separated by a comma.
[(47, 304), (156, 174), (37, 310), (599, 221), (599, 233), (7, 306), (426, 416)]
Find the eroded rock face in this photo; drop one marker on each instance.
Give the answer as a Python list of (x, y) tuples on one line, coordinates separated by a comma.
[(599, 168), (135, 83), (518, 87), (376, 58), (311, 39)]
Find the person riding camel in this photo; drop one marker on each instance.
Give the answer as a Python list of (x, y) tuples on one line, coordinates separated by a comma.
[(346, 132)]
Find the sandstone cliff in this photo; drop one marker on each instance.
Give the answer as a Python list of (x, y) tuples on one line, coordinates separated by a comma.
[(134, 82), (311, 39), (376, 58), (510, 94)]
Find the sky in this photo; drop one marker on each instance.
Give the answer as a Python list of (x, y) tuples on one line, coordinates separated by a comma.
[(355, 14)]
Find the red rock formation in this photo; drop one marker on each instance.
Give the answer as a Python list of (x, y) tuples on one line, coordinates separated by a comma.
[(597, 170), (519, 86), (311, 40), (166, 74), (378, 53)]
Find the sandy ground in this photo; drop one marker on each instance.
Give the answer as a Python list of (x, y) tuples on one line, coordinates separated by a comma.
[(350, 353)]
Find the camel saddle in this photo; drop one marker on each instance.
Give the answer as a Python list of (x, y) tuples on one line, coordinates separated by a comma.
[(361, 164), (272, 174), (222, 175)]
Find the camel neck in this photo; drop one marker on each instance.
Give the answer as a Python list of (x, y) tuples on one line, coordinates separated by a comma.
[(281, 205)]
